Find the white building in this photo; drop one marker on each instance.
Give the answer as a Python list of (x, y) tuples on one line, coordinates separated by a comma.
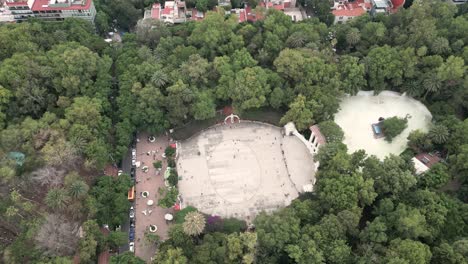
[(50, 10)]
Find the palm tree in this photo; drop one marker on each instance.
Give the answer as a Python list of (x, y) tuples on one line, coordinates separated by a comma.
[(56, 199), (439, 134), (77, 189), (194, 223), (353, 37), (440, 45), (432, 84), (296, 40), (159, 79)]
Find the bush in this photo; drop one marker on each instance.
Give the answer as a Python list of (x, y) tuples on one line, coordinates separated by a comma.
[(152, 239), (436, 177), (331, 131), (170, 152), (170, 197), (157, 164), (173, 178), (214, 223), (171, 163), (231, 225), (393, 126), (180, 215)]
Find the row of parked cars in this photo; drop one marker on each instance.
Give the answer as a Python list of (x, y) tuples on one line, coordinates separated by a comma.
[(131, 214)]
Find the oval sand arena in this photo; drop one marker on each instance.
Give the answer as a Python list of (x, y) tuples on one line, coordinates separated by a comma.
[(358, 113), (241, 169)]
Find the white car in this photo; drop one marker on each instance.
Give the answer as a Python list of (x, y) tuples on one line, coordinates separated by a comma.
[(119, 173), (133, 162), (131, 246), (134, 153), (132, 212)]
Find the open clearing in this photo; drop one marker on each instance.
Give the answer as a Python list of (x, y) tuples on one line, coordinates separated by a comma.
[(239, 170), (357, 113)]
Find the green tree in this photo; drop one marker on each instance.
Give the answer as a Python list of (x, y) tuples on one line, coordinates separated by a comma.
[(275, 233), (115, 239), (171, 256), (451, 70), (440, 45), (250, 88), (331, 131), (393, 126), (383, 68), (78, 189), (392, 176), (126, 257), (204, 106), (57, 199), (299, 113), (439, 134), (408, 251), (353, 37), (419, 140), (111, 198), (194, 223), (352, 75), (436, 177), (214, 35)]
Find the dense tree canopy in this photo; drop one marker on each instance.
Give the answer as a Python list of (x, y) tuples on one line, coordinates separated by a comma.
[(71, 104)]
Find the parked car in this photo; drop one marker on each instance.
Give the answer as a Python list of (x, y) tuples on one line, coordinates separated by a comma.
[(131, 246), (133, 153), (132, 174), (131, 237), (133, 162), (119, 172), (132, 230), (132, 221), (132, 212)]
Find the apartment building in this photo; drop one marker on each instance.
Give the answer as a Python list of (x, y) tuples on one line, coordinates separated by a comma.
[(49, 10)]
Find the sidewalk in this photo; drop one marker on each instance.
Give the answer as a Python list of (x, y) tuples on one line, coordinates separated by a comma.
[(149, 181)]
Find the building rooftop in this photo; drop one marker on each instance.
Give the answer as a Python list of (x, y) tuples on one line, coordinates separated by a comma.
[(351, 9), (318, 134), (16, 3), (428, 159), (50, 5), (381, 4), (155, 11)]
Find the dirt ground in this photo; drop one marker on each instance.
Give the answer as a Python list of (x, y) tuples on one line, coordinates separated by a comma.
[(241, 169), (149, 181), (359, 112)]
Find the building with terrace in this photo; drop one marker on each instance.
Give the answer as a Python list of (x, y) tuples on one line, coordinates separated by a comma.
[(345, 10), (49, 10), (175, 12)]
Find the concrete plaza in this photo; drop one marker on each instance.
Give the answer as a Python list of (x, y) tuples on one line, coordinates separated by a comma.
[(239, 170)]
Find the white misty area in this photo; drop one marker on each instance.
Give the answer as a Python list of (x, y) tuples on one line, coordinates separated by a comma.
[(357, 114)]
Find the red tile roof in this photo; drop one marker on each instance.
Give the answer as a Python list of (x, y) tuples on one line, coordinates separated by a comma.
[(167, 10), (352, 9), (17, 3), (155, 11), (43, 5), (349, 13), (242, 16), (320, 137), (398, 3), (428, 159)]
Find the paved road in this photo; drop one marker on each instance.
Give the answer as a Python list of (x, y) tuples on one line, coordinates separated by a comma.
[(126, 166)]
